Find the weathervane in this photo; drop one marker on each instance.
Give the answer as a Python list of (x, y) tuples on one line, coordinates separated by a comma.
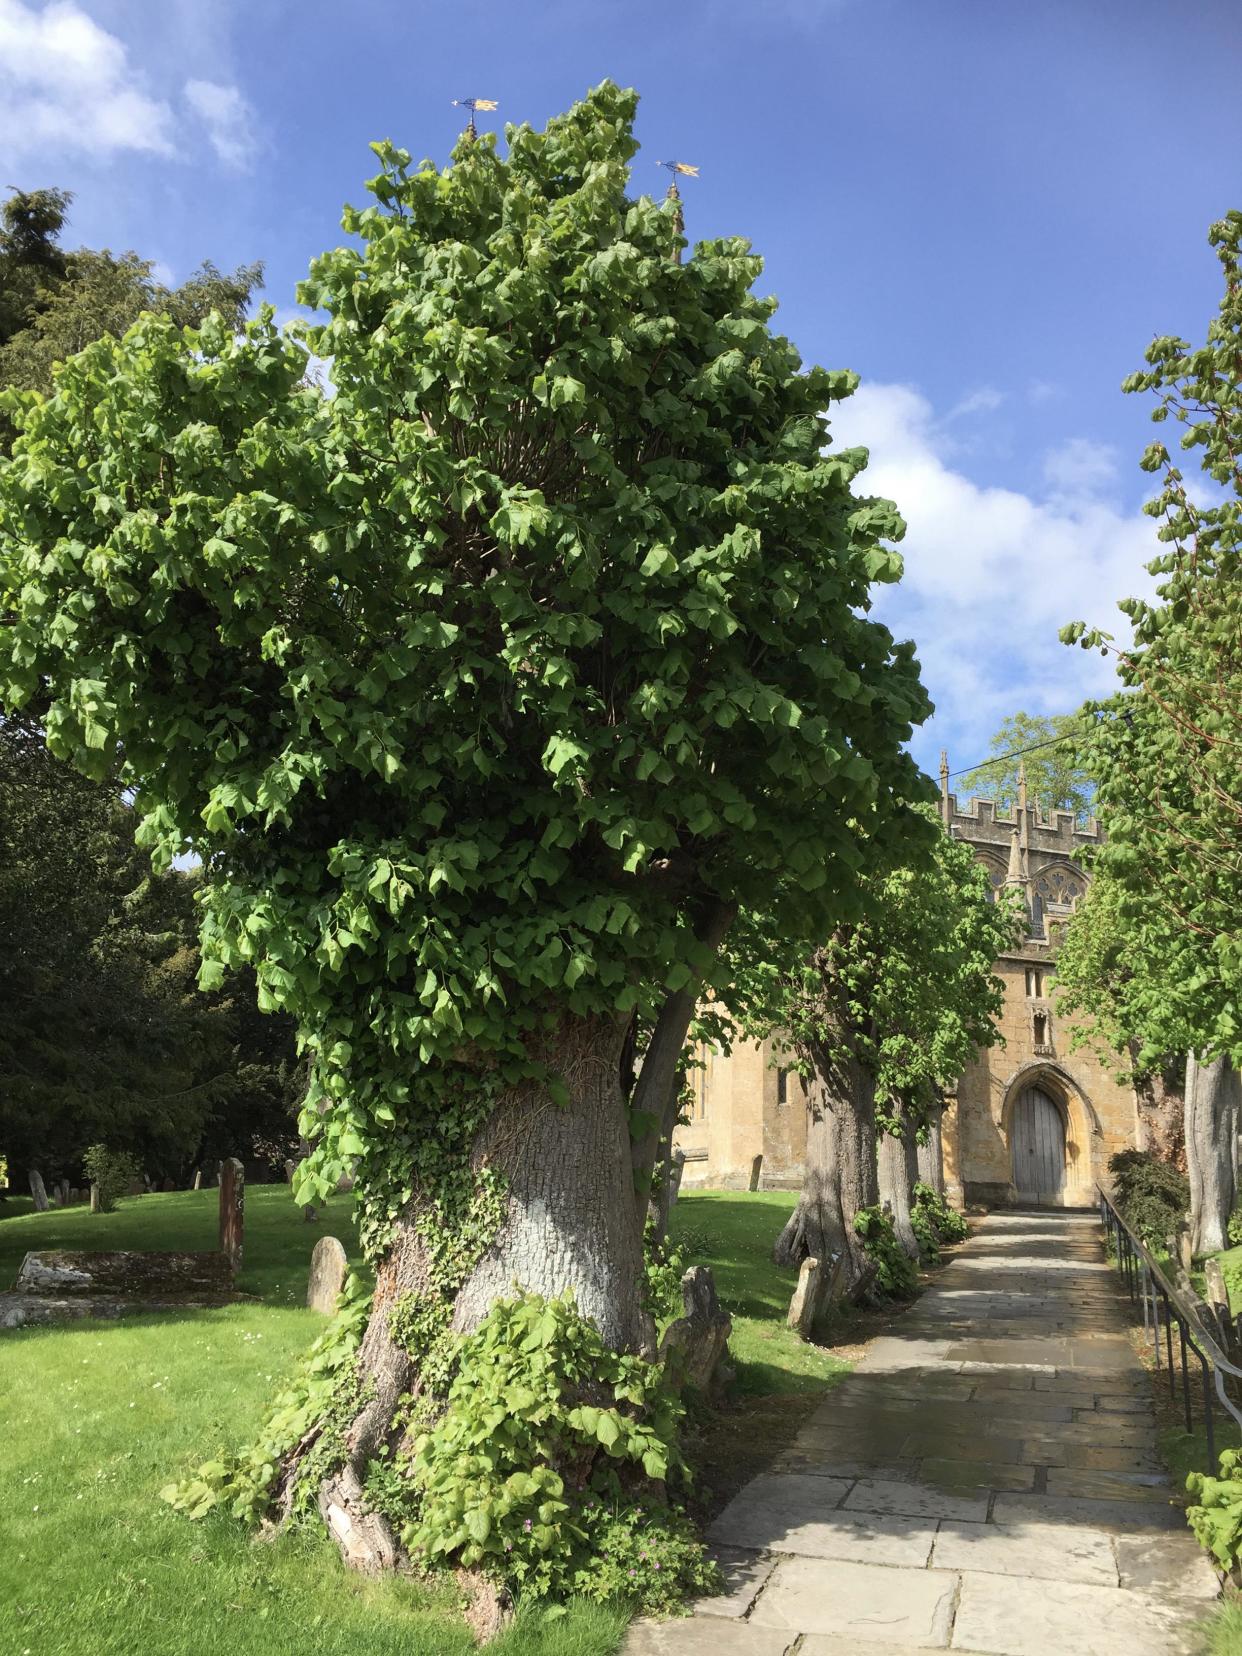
[(472, 104), (674, 194)]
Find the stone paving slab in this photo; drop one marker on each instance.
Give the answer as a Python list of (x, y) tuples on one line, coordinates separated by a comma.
[(914, 1501), (1171, 1565), (961, 1475), (1010, 1616), (706, 1637), (774, 1507), (1118, 1515), (1053, 1552), (830, 1644), (868, 1602), (744, 1575), (793, 1514)]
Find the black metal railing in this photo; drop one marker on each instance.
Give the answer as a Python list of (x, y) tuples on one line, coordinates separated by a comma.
[(1165, 1307)]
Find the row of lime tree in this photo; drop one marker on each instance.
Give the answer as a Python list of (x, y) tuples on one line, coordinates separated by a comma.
[(516, 697)]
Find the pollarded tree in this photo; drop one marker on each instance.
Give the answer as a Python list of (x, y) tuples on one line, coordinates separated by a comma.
[(1167, 755), (486, 689), (881, 1019)]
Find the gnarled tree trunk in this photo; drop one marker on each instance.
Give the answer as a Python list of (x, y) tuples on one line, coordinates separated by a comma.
[(930, 1155), (895, 1154), (569, 1224), (1213, 1100), (840, 1173)]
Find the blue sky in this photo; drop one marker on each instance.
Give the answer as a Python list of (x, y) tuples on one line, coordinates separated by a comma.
[(985, 207)]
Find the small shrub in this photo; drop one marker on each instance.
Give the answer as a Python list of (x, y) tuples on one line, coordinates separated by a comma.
[(895, 1273), (1217, 1519), (934, 1222), (112, 1171), (664, 1265), (1234, 1227), (1150, 1194)]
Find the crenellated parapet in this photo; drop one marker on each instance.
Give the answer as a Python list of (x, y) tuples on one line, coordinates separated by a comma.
[(1028, 849)]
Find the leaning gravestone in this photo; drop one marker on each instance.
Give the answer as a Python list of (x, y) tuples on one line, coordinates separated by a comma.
[(232, 1210), (38, 1191), (327, 1275), (198, 1178), (695, 1348), (756, 1172), (805, 1302)]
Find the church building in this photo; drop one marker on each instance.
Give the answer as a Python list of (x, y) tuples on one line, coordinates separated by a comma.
[(1032, 1122)]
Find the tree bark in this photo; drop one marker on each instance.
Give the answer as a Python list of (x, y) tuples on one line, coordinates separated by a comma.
[(569, 1224), (657, 1090), (1213, 1100), (930, 1156), (840, 1173), (895, 1152)]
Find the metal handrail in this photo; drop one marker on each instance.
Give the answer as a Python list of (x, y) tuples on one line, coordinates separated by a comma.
[(1145, 1280)]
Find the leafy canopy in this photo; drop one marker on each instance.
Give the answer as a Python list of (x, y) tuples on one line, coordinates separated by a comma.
[(1167, 755), (475, 683)]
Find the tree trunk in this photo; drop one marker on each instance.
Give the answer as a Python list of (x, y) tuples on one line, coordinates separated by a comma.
[(1212, 1109), (569, 1224), (930, 1156), (653, 1107), (895, 1153), (840, 1165)]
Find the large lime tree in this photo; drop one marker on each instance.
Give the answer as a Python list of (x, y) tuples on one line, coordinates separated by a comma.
[(1158, 960), (487, 688)]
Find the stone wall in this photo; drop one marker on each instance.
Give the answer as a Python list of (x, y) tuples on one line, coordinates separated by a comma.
[(738, 1113)]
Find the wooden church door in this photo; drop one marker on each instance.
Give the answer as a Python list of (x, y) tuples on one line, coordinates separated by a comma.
[(1038, 1138)]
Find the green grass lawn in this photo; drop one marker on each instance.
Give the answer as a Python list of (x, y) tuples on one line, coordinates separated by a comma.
[(733, 1232), (96, 1416)]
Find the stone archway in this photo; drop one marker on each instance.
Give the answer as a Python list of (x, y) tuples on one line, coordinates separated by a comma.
[(1082, 1134)]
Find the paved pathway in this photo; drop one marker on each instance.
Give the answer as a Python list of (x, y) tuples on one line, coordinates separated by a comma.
[(985, 1481)]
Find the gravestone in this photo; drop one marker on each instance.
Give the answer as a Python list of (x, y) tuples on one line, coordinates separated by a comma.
[(291, 1168), (695, 1348), (232, 1210), (1214, 1281), (1185, 1258), (805, 1302), (327, 1275), (38, 1191), (756, 1171), (95, 1203), (310, 1214), (676, 1170), (63, 1188), (198, 1179)]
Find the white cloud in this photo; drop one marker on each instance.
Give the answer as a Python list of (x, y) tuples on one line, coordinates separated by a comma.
[(1080, 469), (991, 573), (986, 400), (228, 119), (66, 83)]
